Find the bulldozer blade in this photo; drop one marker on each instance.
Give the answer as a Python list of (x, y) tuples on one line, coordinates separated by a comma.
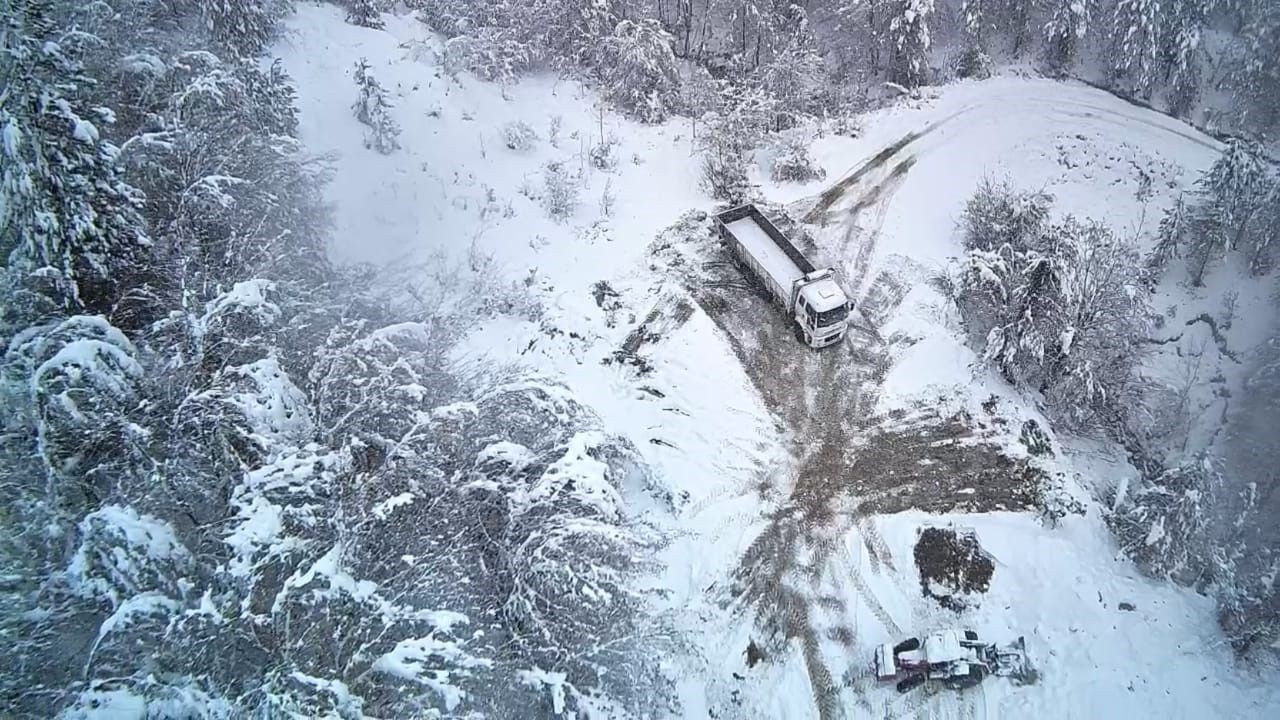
[(1012, 662)]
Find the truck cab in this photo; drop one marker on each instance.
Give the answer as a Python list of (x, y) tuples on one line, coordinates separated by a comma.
[(821, 309)]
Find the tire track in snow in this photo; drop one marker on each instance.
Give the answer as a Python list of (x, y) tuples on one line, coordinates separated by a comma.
[(1127, 119), (841, 187), (869, 598), (877, 549)]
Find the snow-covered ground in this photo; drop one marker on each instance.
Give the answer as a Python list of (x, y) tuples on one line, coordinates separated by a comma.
[(725, 456)]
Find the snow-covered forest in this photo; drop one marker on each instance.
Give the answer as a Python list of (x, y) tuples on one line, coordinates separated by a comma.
[(378, 359)]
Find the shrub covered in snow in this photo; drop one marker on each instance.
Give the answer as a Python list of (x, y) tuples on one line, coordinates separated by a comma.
[(1165, 523), (791, 160), (602, 155), (973, 63), (1055, 307), (517, 135), (365, 13), (491, 54), (724, 175), (560, 188)]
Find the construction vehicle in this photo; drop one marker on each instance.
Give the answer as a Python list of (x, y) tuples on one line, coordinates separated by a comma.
[(956, 659), (810, 297)]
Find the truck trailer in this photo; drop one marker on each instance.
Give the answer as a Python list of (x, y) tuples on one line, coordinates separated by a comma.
[(810, 297)]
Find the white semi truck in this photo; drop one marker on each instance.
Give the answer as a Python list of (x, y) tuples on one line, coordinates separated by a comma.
[(810, 297)]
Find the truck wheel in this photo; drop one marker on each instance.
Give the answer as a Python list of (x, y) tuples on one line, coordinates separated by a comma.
[(907, 645), (907, 684), (800, 335)]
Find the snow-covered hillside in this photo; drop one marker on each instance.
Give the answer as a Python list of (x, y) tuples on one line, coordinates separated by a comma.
[(731, 431)]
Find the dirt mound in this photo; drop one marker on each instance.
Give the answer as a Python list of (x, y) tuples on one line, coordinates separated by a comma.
[(953, 566)]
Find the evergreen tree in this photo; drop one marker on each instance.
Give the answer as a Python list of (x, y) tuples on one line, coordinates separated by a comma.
[(365, 13), (69, 223), (1066, 29), (1135, 46), (639, 70), (1230, 198), (243, 27), (373, 109), (976, 24), (1258, 76), (910, 41), (1179, 51), (1235, 208)]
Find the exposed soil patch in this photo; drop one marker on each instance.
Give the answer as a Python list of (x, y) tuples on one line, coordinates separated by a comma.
[(662, 320), (754, 654), (939, 465), (953, 566)]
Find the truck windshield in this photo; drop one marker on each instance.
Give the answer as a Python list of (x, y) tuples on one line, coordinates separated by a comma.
[(831, 317)]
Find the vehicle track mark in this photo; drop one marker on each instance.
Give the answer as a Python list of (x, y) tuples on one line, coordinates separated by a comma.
[(833, 194), (872, 602), (877, 549), (1114, 116)]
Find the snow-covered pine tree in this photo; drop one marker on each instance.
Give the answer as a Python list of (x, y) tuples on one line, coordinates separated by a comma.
[(244, 27), (1258, 77), (793, 77), (910, 41), (639, 70), (1180, 29), (373, 109), (1134, 50), (1170, 236), (1229, 198), (365, 13), (69, 223), (1065, 32), (975, 20)]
